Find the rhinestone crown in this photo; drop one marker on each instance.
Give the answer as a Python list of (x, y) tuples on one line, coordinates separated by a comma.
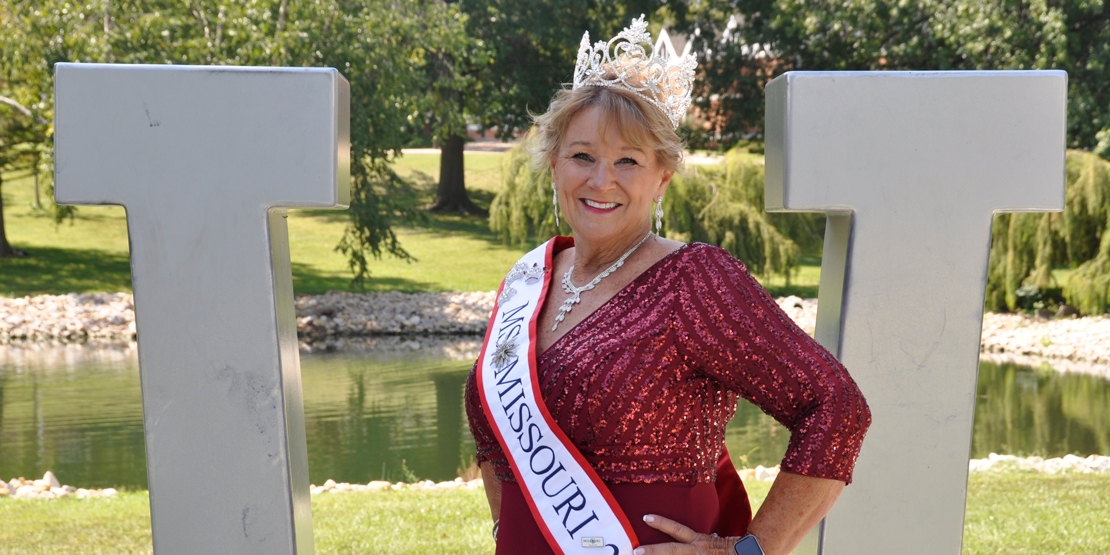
[(623, 63)]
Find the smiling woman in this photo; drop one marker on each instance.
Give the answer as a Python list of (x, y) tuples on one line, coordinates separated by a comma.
[(598, 405)]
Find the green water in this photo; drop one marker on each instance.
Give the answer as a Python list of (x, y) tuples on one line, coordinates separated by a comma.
[(369, 416)]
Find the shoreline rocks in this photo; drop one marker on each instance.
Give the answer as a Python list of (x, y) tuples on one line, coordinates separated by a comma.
[(342, 321), (49, 487), (1057, 465)]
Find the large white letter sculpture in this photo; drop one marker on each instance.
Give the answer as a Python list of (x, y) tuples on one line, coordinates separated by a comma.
[(910, 167), (205, 159)]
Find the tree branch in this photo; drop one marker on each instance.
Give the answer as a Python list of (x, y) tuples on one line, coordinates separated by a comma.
[(22, 109)]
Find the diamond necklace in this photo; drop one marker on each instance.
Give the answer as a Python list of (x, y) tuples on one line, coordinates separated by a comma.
[(576, 292)]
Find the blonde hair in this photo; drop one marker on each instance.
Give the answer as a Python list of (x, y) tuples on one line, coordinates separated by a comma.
[(639, 123)]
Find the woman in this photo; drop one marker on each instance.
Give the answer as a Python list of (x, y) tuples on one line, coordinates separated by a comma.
[(642, 351)]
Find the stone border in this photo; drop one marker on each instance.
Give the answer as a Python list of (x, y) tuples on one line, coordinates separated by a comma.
[(342, 321), (48, 488)]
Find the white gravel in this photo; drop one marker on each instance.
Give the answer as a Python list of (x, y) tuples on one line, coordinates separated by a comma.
[(338, 320)]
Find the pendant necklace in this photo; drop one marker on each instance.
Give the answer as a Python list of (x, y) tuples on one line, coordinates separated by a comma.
[(576, 292)]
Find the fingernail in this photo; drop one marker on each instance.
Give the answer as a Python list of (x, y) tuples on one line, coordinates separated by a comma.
[(649, 518), (638, 551)]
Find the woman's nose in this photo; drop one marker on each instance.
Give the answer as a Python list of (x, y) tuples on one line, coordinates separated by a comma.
[(603, 177)]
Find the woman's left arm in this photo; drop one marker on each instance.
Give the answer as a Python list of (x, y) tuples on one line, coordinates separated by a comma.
[(739, 336), (793, 507)]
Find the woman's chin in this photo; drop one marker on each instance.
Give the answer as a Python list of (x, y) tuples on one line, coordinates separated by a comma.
[(601, 231)]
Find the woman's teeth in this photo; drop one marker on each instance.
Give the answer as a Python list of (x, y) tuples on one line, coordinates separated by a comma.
[(600, 205)]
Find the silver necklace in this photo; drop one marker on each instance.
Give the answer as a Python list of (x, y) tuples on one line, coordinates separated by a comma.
[(576, 292)]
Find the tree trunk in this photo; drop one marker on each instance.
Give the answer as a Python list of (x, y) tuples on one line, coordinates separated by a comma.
[(6, 250), (451, 195)]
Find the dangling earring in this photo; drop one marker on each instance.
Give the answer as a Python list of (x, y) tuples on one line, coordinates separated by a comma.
[(659, 214), (555, 201)]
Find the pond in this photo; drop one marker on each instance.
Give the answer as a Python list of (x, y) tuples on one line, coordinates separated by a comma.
[(394, 411)]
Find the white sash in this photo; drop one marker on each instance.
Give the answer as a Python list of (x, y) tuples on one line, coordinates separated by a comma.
[(571, 506)]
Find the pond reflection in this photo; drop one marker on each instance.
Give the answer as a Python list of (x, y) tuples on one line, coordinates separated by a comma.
[(394, 411)]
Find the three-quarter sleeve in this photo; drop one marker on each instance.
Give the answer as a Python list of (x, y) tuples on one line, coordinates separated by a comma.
[(730, 329), (485, 442)]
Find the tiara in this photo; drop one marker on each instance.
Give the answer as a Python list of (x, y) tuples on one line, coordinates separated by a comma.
[(623, 63)]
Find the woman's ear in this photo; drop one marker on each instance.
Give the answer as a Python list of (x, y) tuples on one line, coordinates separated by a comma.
[(667, 175)]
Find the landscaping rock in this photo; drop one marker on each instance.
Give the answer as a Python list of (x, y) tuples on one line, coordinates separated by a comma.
[(51, 480), (415, 322), (1067, 463)]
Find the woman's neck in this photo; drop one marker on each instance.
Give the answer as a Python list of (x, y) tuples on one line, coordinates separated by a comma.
[(591, 259)]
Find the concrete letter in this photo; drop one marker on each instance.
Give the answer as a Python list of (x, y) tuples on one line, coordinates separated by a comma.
[(910, 167), (204, 160)]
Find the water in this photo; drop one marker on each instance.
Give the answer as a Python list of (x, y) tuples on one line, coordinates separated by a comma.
[(397, 414)]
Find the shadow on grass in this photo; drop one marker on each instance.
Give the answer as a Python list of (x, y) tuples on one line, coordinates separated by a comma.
[(803, 291), (52, 271), (58, 271), (808, 261), (306, 279)]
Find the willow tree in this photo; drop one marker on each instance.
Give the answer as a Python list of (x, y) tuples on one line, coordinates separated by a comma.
[(382, 47), (1026, 247), (719, 205)]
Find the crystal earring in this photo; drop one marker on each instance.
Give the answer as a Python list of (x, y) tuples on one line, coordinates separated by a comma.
[(555, 202), (659, 214)]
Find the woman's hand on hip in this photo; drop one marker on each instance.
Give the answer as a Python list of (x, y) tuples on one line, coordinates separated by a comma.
[(688, 541)]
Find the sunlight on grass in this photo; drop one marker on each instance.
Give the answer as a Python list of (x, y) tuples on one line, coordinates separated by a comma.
[(1013, 513), (452, 252)]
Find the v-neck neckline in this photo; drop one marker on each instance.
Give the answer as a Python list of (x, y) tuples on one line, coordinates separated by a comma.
[(608, 301)]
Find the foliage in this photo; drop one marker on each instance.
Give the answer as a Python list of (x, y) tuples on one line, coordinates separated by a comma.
[(380, 46), (1025, 247), (745, 43), (719, 206), (725, 208), (532, 48), (522, 211)]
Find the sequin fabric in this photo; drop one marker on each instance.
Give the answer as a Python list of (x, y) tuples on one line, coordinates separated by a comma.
[(644, 386)]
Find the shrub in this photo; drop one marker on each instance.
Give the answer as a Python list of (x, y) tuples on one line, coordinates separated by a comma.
[(718, 205), (1025, 247)]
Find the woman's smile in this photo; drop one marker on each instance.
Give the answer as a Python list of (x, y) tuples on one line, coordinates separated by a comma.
[(600, 207)]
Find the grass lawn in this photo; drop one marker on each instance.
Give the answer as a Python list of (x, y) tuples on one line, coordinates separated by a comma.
[(453, 252), (90, 254), (1011, 513)]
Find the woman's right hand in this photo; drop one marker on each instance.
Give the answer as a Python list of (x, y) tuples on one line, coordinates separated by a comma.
[(688, 542)]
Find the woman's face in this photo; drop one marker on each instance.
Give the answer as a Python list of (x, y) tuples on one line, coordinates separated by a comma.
[(605, 185)]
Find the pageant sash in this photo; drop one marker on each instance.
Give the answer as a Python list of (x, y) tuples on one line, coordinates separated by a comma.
[(571, 505)]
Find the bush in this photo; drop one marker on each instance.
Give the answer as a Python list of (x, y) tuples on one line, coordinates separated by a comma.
[(718, 205), (1025, 247)]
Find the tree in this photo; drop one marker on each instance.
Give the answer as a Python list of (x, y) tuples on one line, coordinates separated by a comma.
[(520, 53), (380, 46), (451, 97), (20, 133), (719, 206), (745, 43), (1026, 247)]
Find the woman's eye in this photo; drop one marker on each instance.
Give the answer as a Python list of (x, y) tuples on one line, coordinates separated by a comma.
[(629, 161), (583, 156)]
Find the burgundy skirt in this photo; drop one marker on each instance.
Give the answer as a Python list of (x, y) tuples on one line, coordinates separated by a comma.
[(695, 506)]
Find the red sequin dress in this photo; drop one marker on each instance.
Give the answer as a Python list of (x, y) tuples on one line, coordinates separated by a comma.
[(645, 385)]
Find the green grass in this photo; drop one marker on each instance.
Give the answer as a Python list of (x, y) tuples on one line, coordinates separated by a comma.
[(1024, 513), (1013, 513), (119, 525), (453, 252)]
